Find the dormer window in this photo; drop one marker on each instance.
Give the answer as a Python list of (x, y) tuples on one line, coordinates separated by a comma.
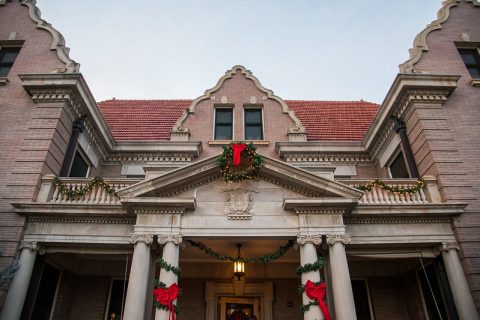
[(223, 124), (471, 58), (253, 123), (7, 58)]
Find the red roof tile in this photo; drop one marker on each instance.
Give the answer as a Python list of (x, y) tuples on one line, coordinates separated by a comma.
[(154, 119), (334, 120)]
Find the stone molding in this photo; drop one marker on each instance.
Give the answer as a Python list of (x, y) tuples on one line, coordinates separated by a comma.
[(136, 237), (394, 220), (313, 210), (182, 133), (424, 96), (176, 238), (303, 238), (163, 157), (343, 238), (89, 220), (160, 211), (325, 157), (32, 245), (58, 41), (420, 42)]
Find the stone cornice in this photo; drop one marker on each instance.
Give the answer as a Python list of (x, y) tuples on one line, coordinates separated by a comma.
[(72, 88), (396, 210), (154, 205), (395, 220), (58, 42), (296, 129), (64, 209), (86, 220), (325, 205), (420, 42)]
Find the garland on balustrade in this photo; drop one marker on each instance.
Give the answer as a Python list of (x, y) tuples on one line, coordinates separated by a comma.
[(419, 184), (269, 257), (165, 296), (80, 192), (231, 158)]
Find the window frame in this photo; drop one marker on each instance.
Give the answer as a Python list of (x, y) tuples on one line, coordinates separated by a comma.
[(223, 107), (475, 81), (247, 107), (10, 44), (394, 157), (82, 154)]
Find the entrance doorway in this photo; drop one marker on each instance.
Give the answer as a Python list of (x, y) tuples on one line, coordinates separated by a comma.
[(232, 308)]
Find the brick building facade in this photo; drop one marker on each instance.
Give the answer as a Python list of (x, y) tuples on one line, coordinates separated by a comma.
[(387, 255)]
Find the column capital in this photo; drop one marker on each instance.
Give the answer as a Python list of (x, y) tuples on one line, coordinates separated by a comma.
[(343, 238), (32, 245), (303, 238), (171, 237), (450, 245), (147, 238)]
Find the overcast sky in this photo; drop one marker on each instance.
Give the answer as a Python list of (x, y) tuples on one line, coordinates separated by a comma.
[(301, 49)]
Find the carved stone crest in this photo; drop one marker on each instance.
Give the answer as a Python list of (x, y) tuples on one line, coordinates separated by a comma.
[(239, 203)]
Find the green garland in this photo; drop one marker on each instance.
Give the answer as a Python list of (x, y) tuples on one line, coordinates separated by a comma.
[(160, 284), (225, 161), (307, 306), (265, 258), (419, 184), (75, 194), (309, 267), (165, 265)]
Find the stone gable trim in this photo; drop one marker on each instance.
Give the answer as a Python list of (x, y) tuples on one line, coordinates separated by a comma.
[(420, 42), (181, 133), (58, 41)]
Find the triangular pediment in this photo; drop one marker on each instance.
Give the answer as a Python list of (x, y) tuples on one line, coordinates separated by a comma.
[(206, 171)]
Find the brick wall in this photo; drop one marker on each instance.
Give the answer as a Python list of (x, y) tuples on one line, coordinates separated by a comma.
[(445, 139), (31, 140)]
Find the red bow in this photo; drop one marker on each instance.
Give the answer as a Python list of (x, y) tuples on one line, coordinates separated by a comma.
[(237, 150), (318, 292), (166, 297)]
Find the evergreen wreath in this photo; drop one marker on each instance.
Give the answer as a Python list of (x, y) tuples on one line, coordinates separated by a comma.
[(225, 161), (419, 184), (75, 194), (269, 257)]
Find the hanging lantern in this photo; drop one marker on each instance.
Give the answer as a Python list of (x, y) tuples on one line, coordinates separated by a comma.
[(239, 265)]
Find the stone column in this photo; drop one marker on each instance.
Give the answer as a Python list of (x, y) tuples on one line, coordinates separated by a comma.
[(308, 254), (458, 282), (12, 308), (138, 280), (170, 254), (341, 284)]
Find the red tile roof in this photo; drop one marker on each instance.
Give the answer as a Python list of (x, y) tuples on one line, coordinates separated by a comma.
[(154, 119), (334, 120)]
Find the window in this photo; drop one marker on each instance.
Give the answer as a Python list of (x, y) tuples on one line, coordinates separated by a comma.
[(253, 124), (471, 58), (79, 166), (45, 296), (398, 168), (7, 58), (118, 290), (223, 124)]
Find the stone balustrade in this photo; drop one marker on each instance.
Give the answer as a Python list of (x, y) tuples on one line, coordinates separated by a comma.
[(50, 193), (378, 196)]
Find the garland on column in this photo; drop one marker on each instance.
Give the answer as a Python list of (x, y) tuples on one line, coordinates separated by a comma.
[(164, 296), (314, 290), (269, 257), (419, 184), (75, 194)]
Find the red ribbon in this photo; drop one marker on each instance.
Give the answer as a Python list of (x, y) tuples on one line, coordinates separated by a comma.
[(166, 297), (237, 150), (318, 292)]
